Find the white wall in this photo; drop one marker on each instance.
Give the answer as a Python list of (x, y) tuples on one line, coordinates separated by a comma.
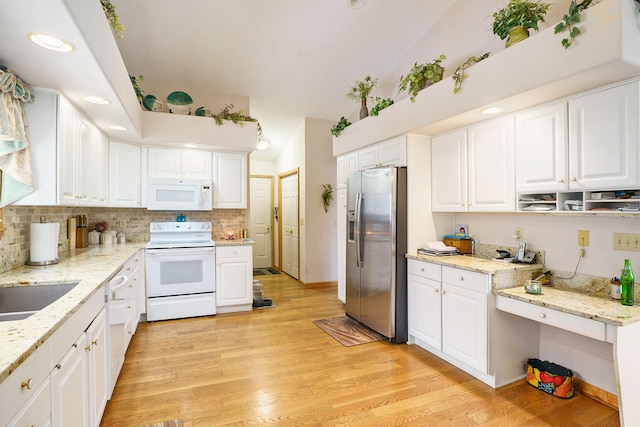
[(320, 226), (262, 167)]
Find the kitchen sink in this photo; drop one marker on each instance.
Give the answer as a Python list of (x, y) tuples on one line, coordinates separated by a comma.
[(20, 302)]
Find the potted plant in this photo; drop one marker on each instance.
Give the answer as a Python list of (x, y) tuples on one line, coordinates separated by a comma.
[(381, 104), (360, 91), (339, 127), (421, 76), (513, 21)]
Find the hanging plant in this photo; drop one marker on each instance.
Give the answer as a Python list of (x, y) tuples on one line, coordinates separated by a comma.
[(136, 87), (381, 105), (459, 75), (338, 128), (110, 12), (327, 196), (569, 21), (236, 117)]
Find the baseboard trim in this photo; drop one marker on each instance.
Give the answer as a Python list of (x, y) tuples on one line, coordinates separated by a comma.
[(596, 393), (315, 285)]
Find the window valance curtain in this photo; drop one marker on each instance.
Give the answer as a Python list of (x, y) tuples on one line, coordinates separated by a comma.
[(15, 151)]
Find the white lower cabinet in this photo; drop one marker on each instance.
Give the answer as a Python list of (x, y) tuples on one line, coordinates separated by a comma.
[(448, 312), (452, 314), (234, 278), (69, 384), (37, 411)]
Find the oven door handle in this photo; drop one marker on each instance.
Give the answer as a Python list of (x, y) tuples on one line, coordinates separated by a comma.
[(123, 281), (206, 250)]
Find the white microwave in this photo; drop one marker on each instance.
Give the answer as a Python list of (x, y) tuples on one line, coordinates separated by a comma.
[(178, 194)]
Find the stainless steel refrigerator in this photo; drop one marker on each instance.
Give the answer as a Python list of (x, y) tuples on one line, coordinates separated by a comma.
[(376, 247)]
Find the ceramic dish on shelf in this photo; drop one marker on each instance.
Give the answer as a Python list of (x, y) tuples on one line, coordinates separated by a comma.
[(151, 103), (180, 103)]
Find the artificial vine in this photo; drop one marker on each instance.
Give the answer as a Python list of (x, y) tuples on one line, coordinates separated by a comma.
[(110, 12), (569, 21), (340, 126), (136, 87), (381, 105), (327, 196), (236, 117), (459, 75)]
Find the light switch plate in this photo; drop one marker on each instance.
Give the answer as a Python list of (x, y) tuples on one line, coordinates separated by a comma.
[(626, 242)]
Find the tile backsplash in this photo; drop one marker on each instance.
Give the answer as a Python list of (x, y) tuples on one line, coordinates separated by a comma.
[(14, 246)]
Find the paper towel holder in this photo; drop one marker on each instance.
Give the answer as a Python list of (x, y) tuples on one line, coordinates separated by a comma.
[(54, 258)]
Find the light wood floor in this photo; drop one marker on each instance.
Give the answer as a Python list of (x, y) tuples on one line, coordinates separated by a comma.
[(274, 366)]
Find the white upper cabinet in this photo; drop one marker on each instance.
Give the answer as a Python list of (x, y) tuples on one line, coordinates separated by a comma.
[(541, 149), (390, 152), (449, 172), (491, 176), (230, 181), (604, 138), (179, 163), (472, 169), (124, 175)]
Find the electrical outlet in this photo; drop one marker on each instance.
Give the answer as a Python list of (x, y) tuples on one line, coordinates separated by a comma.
[(626, 242), (518, 234), (583, 237), (122, 223)]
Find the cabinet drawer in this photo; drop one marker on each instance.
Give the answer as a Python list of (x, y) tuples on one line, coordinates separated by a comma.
[(423, 269), (234, 251), (470, 280), (569, 322), (23, 383)]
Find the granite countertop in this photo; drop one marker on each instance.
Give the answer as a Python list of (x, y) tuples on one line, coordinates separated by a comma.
[(604, 309), (91, 267), (235, 242), (474, 263)]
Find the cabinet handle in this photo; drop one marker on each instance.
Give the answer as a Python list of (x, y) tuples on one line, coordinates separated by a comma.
[(88, 348), (422, 269), (94, 342), (130, 286), (436, 290), (130, 333), (542, 315), (443, 292), (461, 279), (574, 179), (26, 384), (561, 180), (58, 366), (128, 306)]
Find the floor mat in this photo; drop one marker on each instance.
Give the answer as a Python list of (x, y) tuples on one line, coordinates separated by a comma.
[(347, 331), (264, 271), (172, 423)]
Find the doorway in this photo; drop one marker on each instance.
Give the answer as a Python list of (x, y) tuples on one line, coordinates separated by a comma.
[(261, 219), (289, 242)]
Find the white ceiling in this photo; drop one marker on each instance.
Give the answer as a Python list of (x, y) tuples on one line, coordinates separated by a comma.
[(283, 59)]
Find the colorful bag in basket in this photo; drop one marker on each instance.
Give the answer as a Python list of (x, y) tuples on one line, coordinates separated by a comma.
[(549, 377)]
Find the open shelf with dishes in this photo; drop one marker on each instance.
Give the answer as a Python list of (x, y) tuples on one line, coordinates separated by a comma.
[(609, 201)]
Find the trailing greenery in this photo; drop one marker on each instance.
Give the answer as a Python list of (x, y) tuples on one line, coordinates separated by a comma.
[(327, 196), (362, 89), (340, 126), (381, 105), (136, 87), (569, 21), (236, 117), (421, 76), (459, 75), (518, 12), (110, 12)]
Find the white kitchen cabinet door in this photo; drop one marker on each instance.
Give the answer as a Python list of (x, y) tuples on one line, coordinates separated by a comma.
[(69, 152), (352, 163), (424, 310), (234, 278), (541, 149), (98, 374), (604, 138), (164, 162), (449, 172), (70, 387), (491, 175), (37, 411), (368, 157), (341, 171), (341, 238), (100, 177), (196, 164), (124, 175), (393, 151), (230, 181), (464, 326)]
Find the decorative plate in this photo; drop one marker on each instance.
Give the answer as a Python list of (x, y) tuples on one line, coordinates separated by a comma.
[(179, 103), (151, 103), (203, 111)]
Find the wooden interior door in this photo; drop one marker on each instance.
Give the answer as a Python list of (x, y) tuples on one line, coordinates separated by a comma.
[(289, 238), (260, 220)]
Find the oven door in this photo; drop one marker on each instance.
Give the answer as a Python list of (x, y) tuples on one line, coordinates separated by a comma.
[(180, 271)]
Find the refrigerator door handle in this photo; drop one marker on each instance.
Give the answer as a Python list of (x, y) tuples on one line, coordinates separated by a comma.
[(357, 231)]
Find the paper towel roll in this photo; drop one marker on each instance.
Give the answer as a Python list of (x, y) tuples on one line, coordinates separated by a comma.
[(44, 243)]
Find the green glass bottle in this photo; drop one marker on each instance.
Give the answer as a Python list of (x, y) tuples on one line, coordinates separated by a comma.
[(626, 284)]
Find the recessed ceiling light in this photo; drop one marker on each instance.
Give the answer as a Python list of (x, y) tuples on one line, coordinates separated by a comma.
[(263, 144), (190, 146), (51, 42), (116, 127), (97, 100), (357, 4), (492, 110)]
